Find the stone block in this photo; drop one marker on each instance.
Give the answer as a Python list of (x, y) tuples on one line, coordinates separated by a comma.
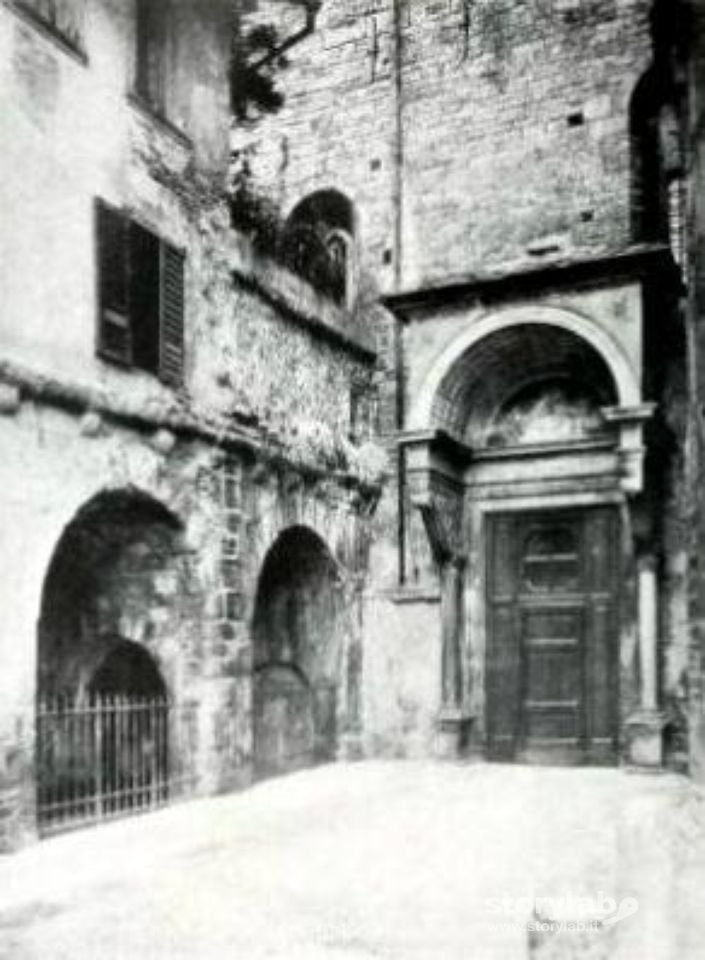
[(644, 732), (10, 399)]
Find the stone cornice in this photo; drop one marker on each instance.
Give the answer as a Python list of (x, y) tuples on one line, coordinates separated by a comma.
[(636, 263), (175, 416)]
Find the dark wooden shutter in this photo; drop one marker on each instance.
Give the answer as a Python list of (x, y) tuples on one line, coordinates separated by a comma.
[(114, 333), (145, 268), (171, 354)]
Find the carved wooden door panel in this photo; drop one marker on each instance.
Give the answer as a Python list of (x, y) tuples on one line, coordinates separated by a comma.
[(552, 664)]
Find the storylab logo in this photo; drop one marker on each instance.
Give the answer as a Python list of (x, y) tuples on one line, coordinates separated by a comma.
[(563, 913)]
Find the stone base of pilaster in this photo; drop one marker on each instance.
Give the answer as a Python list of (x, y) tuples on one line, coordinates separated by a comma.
[(644, 733), (452, 734)]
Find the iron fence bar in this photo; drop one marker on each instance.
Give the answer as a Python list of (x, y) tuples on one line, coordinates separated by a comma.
[(103, 757), (153, 754), (97, 756)]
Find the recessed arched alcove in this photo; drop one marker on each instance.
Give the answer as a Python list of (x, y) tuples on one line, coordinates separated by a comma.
[(329, 207), (297, 651), (119, 573), (319, 242), (524, 383), (130, 671), (120, 608)]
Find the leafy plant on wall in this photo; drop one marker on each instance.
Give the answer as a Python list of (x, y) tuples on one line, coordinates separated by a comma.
[(259, 55), (252, 210)]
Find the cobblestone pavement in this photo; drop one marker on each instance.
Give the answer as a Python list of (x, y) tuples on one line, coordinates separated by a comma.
[(399, 860)]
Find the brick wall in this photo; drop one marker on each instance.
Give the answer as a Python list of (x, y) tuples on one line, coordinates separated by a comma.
[(485, 90)]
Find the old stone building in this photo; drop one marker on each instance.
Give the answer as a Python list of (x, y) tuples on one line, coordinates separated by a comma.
[(187, 470), (520, 174), (379, 436)]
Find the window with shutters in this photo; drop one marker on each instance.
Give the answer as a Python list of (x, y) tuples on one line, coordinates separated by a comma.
[(141, 296)]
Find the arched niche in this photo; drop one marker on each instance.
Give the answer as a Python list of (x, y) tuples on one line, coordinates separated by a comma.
[(120, 574), (523, 384), (128, 671), (489, 340), (320, 243), (121, 616), (297, 633)]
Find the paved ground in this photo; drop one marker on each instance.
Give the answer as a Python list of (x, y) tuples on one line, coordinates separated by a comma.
[(391, 860)]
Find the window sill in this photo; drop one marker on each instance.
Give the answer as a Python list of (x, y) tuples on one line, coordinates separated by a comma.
[(48, 30), (147, 376), (153, 115)]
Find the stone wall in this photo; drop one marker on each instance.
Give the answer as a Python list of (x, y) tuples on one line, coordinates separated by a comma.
[(483, 140), (695, 314), (182, 585), (268, 362), (256, 439), (422, 113)]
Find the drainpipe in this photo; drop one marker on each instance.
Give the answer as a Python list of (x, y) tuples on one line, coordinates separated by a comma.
[(398, 200), (397, 10)]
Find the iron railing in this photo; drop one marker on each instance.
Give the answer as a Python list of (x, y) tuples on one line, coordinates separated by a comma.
[(101, 758)]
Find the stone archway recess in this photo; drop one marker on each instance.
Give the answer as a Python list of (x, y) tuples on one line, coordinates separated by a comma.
[(626, 378), (118, 603), (298, 652), (441, 452)]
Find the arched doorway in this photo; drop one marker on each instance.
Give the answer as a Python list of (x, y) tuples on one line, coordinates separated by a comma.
[(522, 511), (117, 596), (128, 671), (297, 642)]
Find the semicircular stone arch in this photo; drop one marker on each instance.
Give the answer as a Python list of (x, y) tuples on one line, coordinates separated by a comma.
[(119, 572), (298, 632), (329, 514), (508, 351)]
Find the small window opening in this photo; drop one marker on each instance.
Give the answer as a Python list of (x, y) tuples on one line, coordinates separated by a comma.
[(150, 49), (657, 187), (319, 244)]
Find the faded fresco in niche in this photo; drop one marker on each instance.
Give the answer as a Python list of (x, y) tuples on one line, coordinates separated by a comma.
[(548, 412)]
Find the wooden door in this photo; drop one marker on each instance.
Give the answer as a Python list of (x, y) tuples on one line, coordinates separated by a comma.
[(551, 687)]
